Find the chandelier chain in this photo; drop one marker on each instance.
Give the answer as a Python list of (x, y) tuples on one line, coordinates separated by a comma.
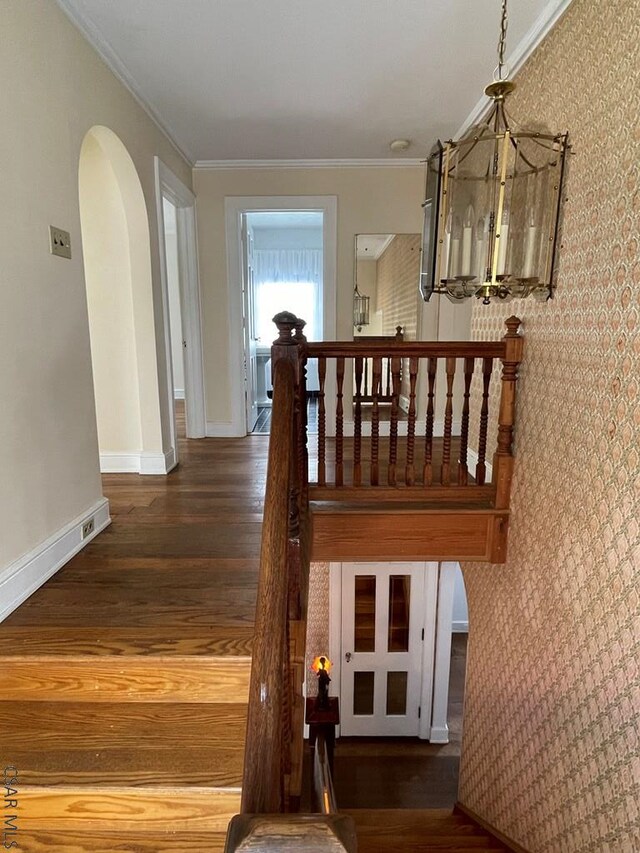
[(503, 38)]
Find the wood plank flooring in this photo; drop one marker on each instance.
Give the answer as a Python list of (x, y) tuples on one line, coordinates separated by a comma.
[(124, 679)]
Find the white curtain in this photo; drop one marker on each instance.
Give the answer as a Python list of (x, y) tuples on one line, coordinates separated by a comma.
[(287, 280)]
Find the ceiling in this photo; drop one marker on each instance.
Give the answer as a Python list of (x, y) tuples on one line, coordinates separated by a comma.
[(369, 247), (303, 79)]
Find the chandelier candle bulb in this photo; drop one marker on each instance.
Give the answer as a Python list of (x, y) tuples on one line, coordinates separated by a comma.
[(454, 264), (467, 240), (532, 239), (503, 243)]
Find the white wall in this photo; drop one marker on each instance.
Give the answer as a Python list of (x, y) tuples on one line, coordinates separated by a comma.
[(54, 89), (460, 617)]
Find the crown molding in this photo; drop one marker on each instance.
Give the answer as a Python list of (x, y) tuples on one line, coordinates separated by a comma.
[(226, 165), (541, 27), (117, 67)]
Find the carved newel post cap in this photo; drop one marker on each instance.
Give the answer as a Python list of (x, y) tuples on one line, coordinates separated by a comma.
[(512, 323), (300, 324), (286, 323)]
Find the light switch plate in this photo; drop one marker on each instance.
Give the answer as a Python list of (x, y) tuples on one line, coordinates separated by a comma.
[(59, 242)]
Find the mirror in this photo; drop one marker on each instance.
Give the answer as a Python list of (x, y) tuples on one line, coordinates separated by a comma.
[(387, 270)]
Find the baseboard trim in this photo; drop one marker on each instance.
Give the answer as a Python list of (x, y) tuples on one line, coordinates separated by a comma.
[(495, 833), (138, 463), (439, 734), (460, 626), (178, 393), (218, 429), (24, 576), (384, 428)]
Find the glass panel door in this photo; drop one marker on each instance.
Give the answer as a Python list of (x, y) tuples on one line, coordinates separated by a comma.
[(381, 672)]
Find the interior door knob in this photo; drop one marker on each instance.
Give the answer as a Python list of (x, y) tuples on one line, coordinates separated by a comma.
[(347, 657)]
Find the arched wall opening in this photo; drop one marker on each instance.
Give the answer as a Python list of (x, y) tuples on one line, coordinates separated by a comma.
[(117, 262)]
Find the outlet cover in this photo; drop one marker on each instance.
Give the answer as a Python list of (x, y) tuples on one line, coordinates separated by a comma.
[(59, 242), (87, 528)]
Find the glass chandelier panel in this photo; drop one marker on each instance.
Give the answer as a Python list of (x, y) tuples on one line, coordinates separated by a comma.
[(492, 207)]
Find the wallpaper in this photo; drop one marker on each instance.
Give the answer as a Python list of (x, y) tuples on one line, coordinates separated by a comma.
[(551, 748)]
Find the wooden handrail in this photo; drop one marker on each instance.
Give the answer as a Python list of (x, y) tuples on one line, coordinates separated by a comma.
[(405, 349), (322, 780), (262, 784)]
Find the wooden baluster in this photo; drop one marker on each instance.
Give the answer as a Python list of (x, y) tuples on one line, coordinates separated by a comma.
[(463, 471), (322, 423), (410, 474), (427, 477), (481, 468), (375, 419), (357, 426), (503, 459), (448, 423), (339, 422), (389, 385), (366, 378), (394, 364)]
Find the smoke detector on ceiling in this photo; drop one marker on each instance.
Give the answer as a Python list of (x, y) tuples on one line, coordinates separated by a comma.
[(399, 144)]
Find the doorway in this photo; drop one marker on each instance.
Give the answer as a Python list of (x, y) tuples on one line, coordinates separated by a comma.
[(282, 271), (181, 302), (268, 259), (390, 639)]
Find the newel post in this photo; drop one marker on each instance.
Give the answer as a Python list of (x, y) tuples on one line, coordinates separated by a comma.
[(503, 458)]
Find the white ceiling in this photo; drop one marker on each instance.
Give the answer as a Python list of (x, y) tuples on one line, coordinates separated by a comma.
[(371, 246), (307, 79)]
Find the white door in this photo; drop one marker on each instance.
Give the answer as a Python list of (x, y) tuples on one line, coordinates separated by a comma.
[(251, 359), (383, 621)]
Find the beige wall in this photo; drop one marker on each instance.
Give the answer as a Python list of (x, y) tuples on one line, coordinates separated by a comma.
[(114, 360), (370, 201), (551, 754), (54, 89)]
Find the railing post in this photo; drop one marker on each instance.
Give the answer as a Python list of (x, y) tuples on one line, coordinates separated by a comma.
[(503, 458)]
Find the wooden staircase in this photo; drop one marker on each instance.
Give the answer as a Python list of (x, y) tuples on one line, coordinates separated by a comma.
[(420, 831), (124, 680)]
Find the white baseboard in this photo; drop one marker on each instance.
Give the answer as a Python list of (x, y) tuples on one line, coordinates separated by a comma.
[(138, 463), (459, 626), (439, 734), (178, 393), (24, 576), (222, 429), (472, 461)]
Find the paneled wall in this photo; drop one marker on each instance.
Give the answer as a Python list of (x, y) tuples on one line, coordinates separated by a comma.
[(551, 754)]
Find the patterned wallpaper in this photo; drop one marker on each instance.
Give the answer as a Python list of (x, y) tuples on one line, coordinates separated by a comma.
[(398, 270), (551, 749)]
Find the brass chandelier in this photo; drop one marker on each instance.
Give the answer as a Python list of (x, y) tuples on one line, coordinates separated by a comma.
[(492, 205)]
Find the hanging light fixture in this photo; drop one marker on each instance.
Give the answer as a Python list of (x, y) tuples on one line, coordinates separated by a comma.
[(360, 309), (492, 205)]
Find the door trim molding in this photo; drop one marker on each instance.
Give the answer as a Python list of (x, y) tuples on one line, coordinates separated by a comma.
[(234, 207), (171, 187)]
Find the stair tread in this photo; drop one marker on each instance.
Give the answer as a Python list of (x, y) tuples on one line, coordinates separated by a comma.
[(125, 744), (123, 842), (378, 831), (229, 641)]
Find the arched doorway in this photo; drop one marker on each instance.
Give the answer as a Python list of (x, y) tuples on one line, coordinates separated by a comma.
[(117, 262)]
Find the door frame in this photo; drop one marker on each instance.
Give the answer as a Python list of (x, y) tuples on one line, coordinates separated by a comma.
[(436, 649), (234, 208), (169, 186)]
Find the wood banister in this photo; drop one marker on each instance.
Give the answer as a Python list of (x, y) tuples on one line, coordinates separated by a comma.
[(262, 784), (503, 459)]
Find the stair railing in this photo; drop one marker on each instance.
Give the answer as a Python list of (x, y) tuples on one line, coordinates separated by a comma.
[(272, 780)]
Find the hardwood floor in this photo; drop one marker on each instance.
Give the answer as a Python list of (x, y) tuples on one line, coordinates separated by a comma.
[(124, 679)]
